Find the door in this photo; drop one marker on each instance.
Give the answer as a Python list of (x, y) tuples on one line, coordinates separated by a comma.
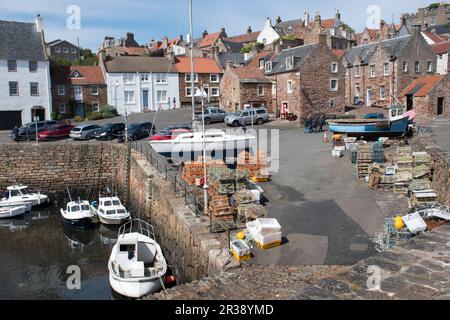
[(285, 107), (369, 97), (78, 93), (39, 113), (213, 115), (440, 106), (80, 109), (409, 102), (10, 119), (145, 99)]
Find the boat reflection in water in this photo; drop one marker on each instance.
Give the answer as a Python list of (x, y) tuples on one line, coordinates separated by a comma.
[(14, 225), (108, 234), (77, 238)]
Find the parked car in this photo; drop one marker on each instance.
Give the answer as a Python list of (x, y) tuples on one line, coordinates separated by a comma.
[(84, 131), (211, 114), (28, 131), (256, 116), (59, 131), (168, 135), (137, 131), (110, 131), (185, 126)]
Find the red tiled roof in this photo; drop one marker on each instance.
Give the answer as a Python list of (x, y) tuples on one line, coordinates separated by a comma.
[(201, 65), (339, 52), (255, 60), (422, 86), (249, 73), (246, 37), (88, 75), (434, 37), (441, 48), (171, 42), (373, 33), (328, 23), (210, 39)]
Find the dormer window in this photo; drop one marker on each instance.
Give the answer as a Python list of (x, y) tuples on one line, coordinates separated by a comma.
[(290, 63), (268, 67), (261, 63)]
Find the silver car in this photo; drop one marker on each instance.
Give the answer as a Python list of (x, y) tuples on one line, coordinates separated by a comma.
[(84, 132), (212, 114), (250, 116)]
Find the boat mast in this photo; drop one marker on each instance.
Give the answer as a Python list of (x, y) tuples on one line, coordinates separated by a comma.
[(191, 40)]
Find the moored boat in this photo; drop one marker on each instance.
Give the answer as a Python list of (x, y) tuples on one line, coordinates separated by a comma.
[(19, 195), (111, 211), (78, 214), (137, 264), (11, 212)]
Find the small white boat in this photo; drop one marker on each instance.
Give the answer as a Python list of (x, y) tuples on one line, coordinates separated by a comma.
[(11, 212), (137, 264), (111, 211), (19, 195), (218, 145), (78, 214), (7, 204)]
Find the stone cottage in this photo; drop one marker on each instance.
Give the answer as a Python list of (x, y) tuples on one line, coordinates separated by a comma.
[(428, 96), (307, 80), (378, 70)]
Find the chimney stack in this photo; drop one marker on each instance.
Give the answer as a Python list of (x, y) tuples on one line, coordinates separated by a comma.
[(417, 29), (403, 20), (222, 30), (278, 20), (338, 15), (307, 19), (229, 64), (130, 36), (249, 30), (205, 33), (165, 42), (39, 23), (268, 22)]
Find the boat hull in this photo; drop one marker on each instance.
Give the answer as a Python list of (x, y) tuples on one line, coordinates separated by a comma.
[(12, 212), (84, 223), (395, 128), (112, 221), (28, 206), (134, 289)]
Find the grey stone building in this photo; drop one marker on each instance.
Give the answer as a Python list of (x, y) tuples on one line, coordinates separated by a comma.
[(63, 49), (429, 16)]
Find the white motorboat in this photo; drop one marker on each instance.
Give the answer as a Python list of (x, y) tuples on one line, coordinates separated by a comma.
[(218, 145), (137, 264), (19, 195), (78, 214), (7, 204), (10, 212), (111, 211)]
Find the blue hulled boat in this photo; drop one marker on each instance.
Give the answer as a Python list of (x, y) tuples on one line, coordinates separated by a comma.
[(396, 125)]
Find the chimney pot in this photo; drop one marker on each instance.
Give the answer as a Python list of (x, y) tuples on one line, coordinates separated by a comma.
[(205, 33), (278, 21), (249, 30), (39, 23)]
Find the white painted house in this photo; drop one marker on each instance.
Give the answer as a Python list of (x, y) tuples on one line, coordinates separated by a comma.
[(268, 35), (139, 84), (24, 74)]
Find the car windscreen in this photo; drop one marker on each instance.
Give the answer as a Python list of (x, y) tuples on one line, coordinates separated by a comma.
[(134, 126), (108, 126), (76, 129)]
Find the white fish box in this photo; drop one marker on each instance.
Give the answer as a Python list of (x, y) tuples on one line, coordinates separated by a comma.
[(337, 154), (414, 223), (240, 248), (265, 225), (266, 239)]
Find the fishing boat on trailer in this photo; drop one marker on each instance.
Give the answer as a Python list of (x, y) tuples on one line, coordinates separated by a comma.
[(19, 195), (11, 212), (136, 265), (78, 214), (218, 145), (111, 211), (397, 124)]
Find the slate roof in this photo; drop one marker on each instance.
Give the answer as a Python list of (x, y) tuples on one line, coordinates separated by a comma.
[(232, 46), (287, 27), (422, 86), (21, 41), (140, 64), (201, 65), (299, 54), (236, 57), (365, 52), (440, 29), (88, 75), (250, 74)]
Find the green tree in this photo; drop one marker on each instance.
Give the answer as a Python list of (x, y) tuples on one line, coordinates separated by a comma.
[(435, 5)]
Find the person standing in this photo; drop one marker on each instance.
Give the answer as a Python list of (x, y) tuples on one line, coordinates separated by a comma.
[(322, 122), (314, 124), (243, 124)]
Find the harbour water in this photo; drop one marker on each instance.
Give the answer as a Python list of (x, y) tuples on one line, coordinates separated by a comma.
[(36, 251)]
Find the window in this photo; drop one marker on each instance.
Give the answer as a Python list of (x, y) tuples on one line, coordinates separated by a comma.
[(145, 77), (214, 78), (12, 65), (33, 66), (382, 93), (215, 92), (260, 90), (386, 69), (74, 50), (429, 66), (61, 91), (334, 67), (290, 63), (334, 84), (66, 50), (372, 71), (95, 107), (417, 67), (290, 88), (188, 92), (129, 96), (405, 66), (161, 96), (94, 90), (269, 66), (57, 49), (332, 103), (357, 90), (161, 78), (34, 89), (357, 71), (261, 63), (62, 108), (188, 77), (128, 78), (13, 88)]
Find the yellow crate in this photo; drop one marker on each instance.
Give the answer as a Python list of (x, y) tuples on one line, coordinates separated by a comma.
[(241, 259), (268, 245)]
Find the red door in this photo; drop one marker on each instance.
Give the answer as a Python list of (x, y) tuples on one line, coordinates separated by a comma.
[(285, 107)]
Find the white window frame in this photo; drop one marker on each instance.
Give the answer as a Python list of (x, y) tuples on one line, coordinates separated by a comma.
[(290, 86), (159, 95), (57, 49), (10, 64), (17, 88), (334, 67), (357, 71), (383, 90), (274, 88), (145, 77), (372, 71), (429, 66), (74, 50), (61, 92), (30, 63), (211, 91), (94, 92), (189, 95), (66, 50), (289, 63), (128, 78), (95, 106), (63, 109), (214, 75), (161, 78), (268, 66), (405, 66), (37, 89), (386, 69), (260, 94), (331, 84), (332, 103), (129, 94), (188, 75)]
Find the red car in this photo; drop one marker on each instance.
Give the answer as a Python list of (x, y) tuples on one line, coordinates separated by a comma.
[(59, 131), (168, 135)]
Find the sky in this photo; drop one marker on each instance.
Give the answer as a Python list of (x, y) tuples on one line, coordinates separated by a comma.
[(91, 20)]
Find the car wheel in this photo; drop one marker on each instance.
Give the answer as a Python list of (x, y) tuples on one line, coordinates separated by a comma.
[(259, 121), (89, 136), (236, 124), (134, 137), (207, 121)]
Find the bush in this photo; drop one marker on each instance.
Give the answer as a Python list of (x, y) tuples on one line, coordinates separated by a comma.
[(60, 117), (94, 116), (55, 115), (78, 119), (108, 112)]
